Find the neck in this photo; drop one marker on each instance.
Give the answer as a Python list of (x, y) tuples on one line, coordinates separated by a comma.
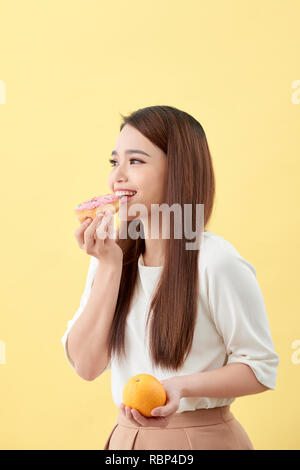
[(154, 247), (154, 252)]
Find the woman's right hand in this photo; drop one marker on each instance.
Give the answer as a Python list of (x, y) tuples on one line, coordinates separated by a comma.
[(97, 238)]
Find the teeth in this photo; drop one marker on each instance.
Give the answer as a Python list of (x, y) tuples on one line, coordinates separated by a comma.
[(125, 193)]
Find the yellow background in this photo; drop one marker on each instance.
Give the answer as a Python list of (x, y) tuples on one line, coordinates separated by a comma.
[(70, 68)]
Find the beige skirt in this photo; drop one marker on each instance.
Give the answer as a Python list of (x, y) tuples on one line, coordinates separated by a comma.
[(203, 429)]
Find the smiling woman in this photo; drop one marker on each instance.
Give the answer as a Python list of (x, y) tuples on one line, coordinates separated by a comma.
[(185, 316), (174, 149)]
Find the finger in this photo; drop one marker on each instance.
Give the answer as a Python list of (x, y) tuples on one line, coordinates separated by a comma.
[(166, 410), (111, 227), (139, 417), (102, 230), (79, 232), (122, 408), (83, 226), (129, 415), (156, 412), (99, 218), (88, 234), (159, 421)]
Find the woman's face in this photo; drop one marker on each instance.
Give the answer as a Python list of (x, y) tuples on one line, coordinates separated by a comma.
[(137, 171)]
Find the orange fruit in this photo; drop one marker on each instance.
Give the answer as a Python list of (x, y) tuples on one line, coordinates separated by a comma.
[(144, 392)]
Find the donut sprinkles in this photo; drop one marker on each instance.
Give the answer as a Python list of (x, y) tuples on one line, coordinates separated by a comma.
[(89, 208), (97, 201)]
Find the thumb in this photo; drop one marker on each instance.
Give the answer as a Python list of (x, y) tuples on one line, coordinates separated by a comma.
[(167, 409), (161, 411)]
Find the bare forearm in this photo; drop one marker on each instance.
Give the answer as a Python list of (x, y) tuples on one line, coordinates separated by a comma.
[(232, 380), (87, 340)]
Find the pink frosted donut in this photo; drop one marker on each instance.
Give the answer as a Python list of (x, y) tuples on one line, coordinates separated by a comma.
[(91, 207)]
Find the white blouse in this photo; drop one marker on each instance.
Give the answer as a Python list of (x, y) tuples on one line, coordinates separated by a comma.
[(232, 323)]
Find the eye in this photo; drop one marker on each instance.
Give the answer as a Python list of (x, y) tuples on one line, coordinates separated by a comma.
[(132, 159)]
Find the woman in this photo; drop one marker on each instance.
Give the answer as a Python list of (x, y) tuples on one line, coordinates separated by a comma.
[(208, 340)]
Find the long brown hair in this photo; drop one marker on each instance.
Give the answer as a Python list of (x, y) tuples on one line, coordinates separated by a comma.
[(189, 180)]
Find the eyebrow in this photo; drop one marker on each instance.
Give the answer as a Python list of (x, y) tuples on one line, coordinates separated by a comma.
[(131, 151)]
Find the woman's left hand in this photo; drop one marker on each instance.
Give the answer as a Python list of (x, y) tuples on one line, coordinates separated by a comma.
[(161, 414)]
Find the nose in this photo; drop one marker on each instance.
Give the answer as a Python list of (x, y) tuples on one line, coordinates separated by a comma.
[(120, 174)]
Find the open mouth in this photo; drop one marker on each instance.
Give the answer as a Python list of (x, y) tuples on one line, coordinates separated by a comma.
[(125, 197)]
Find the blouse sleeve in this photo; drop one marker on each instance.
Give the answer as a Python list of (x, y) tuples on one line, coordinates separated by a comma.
[(84, 298), (238, 309)]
